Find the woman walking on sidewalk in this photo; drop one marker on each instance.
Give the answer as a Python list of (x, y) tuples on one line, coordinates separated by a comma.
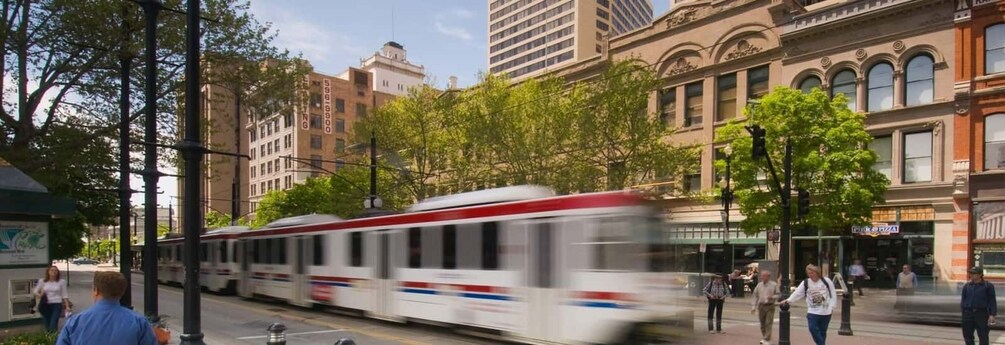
[(820, 302), (53, 298), (765, 295), (716, 292)]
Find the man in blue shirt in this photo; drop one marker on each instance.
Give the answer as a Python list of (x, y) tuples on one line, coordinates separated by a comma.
[(979, 307), (106, 322)]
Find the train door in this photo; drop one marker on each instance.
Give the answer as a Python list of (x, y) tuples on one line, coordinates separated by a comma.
[(542, 279), (384, 277), (244, 286), (299, 278)]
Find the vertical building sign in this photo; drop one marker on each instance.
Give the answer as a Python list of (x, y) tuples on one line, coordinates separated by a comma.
[(326, 96)]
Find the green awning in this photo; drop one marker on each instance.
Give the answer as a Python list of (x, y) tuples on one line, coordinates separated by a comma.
[(22, 195)]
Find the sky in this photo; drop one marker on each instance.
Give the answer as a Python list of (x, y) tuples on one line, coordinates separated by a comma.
[(448, 37)]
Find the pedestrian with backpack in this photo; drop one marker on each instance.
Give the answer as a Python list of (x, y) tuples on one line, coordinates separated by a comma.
[(716, 292), (820, 302)]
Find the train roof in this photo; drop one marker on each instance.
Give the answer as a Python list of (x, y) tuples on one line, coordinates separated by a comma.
[(482, 197), (228, 230), (302, 220), (551, 204)]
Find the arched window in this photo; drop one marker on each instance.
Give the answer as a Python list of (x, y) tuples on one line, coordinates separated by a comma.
[(994, 141), (809, 83), (880, 87), (920, 75), (994, 49), (844, 83)]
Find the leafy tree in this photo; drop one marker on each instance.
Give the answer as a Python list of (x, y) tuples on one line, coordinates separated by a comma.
[(412, 128), (216, 219), (341, 194), (66, 234), (618, 143), (830, 159)]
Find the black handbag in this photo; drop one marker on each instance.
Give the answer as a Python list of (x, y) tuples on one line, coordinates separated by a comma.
[(43, 305)]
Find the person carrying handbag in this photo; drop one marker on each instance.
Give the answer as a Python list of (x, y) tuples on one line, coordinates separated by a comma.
[(53, 298), (716, 292)]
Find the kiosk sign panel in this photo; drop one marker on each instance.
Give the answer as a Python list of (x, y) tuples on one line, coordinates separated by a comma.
[(24, 243)]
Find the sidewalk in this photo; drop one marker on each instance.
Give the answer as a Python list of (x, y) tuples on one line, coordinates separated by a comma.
[(800, 336)]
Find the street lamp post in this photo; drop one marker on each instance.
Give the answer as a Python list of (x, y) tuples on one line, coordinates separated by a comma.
[(193, 151), (125, 65), (151, 8), (727, 192)]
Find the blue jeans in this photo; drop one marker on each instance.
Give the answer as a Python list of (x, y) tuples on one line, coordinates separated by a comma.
[(51, 319), (818, 327)]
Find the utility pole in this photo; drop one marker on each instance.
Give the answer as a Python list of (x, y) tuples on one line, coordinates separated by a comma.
[(193, 151), (126, 258), (170, 217), (151, 8), (235, 188), (373, 170)]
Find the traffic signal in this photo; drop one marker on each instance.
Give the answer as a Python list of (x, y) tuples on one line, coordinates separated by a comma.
[(758, 149), (804, 202)]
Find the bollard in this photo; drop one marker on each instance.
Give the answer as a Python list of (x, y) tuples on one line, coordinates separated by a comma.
[(846, 313), (277, 334), (345, 341)]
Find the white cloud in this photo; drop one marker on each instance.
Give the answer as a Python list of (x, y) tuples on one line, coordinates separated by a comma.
[(316, 42), (462, 13), (452, 31)]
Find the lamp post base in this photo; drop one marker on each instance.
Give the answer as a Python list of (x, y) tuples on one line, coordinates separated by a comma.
[(846, 304), (192, 339)]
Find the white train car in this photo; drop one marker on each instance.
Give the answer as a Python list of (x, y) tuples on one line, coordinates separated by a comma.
[(272, 263), (170, 266), (517, 261), (218, 265)]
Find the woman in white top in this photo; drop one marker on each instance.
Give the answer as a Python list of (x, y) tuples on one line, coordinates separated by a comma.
[(57, 299), (820, 302)]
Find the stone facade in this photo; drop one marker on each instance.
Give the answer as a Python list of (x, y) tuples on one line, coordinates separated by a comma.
[(715, 55)]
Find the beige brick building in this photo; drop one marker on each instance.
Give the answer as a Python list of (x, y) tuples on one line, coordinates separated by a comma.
[(715, 55)]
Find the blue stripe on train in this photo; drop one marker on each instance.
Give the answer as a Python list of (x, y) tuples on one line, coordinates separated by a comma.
[(419, 291), (610, 305), (486, 296), (339, 284)]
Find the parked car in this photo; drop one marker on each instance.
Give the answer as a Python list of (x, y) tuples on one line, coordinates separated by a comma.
[(84, 261)]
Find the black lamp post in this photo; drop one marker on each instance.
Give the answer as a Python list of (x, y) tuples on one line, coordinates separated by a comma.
[(193, 151), (151, 8)]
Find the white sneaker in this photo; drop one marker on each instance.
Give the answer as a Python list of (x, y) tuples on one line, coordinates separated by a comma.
[(765, 342), (711, 332)]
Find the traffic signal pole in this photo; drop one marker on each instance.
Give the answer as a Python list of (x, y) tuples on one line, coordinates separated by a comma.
[(759, 150)]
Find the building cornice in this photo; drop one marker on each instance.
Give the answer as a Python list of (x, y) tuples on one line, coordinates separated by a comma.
[(853, 15)]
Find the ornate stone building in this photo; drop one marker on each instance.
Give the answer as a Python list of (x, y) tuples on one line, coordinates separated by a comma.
[(716, 55), (979, 155), (894, 61)]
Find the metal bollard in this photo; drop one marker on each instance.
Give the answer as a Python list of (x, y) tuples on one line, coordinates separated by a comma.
[(277, 334), (846, 313), (345, 341)]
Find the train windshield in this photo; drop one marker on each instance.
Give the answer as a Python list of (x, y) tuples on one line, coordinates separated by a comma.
[(625, 243)]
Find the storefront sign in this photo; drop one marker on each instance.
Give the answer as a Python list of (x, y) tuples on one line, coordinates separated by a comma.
[(875, 230), (24, 243), (326, 95)]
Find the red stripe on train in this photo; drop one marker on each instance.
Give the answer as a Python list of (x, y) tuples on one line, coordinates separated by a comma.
[(603, 295)]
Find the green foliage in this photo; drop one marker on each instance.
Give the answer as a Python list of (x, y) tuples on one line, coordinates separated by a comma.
[(341, 194), (38, 338), (162, 229), (66, 234), (579, 137), (830, 159)]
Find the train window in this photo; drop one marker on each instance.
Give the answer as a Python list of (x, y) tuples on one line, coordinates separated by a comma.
[(450, 246), (613, 245), (659, 249), (223, 251), (469, 248), (490, 246), (319, 250), (270, 248), (281, 243), (267, 251), (356, 249), (414, 248), (177, 253), (432, 247), (203, 252)]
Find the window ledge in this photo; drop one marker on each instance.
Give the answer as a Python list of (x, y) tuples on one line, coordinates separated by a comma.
[(999, 75), (996, 171), (688, 129)]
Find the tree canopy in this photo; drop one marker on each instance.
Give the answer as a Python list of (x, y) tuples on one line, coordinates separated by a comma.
[(830, 158), (579, 136)]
